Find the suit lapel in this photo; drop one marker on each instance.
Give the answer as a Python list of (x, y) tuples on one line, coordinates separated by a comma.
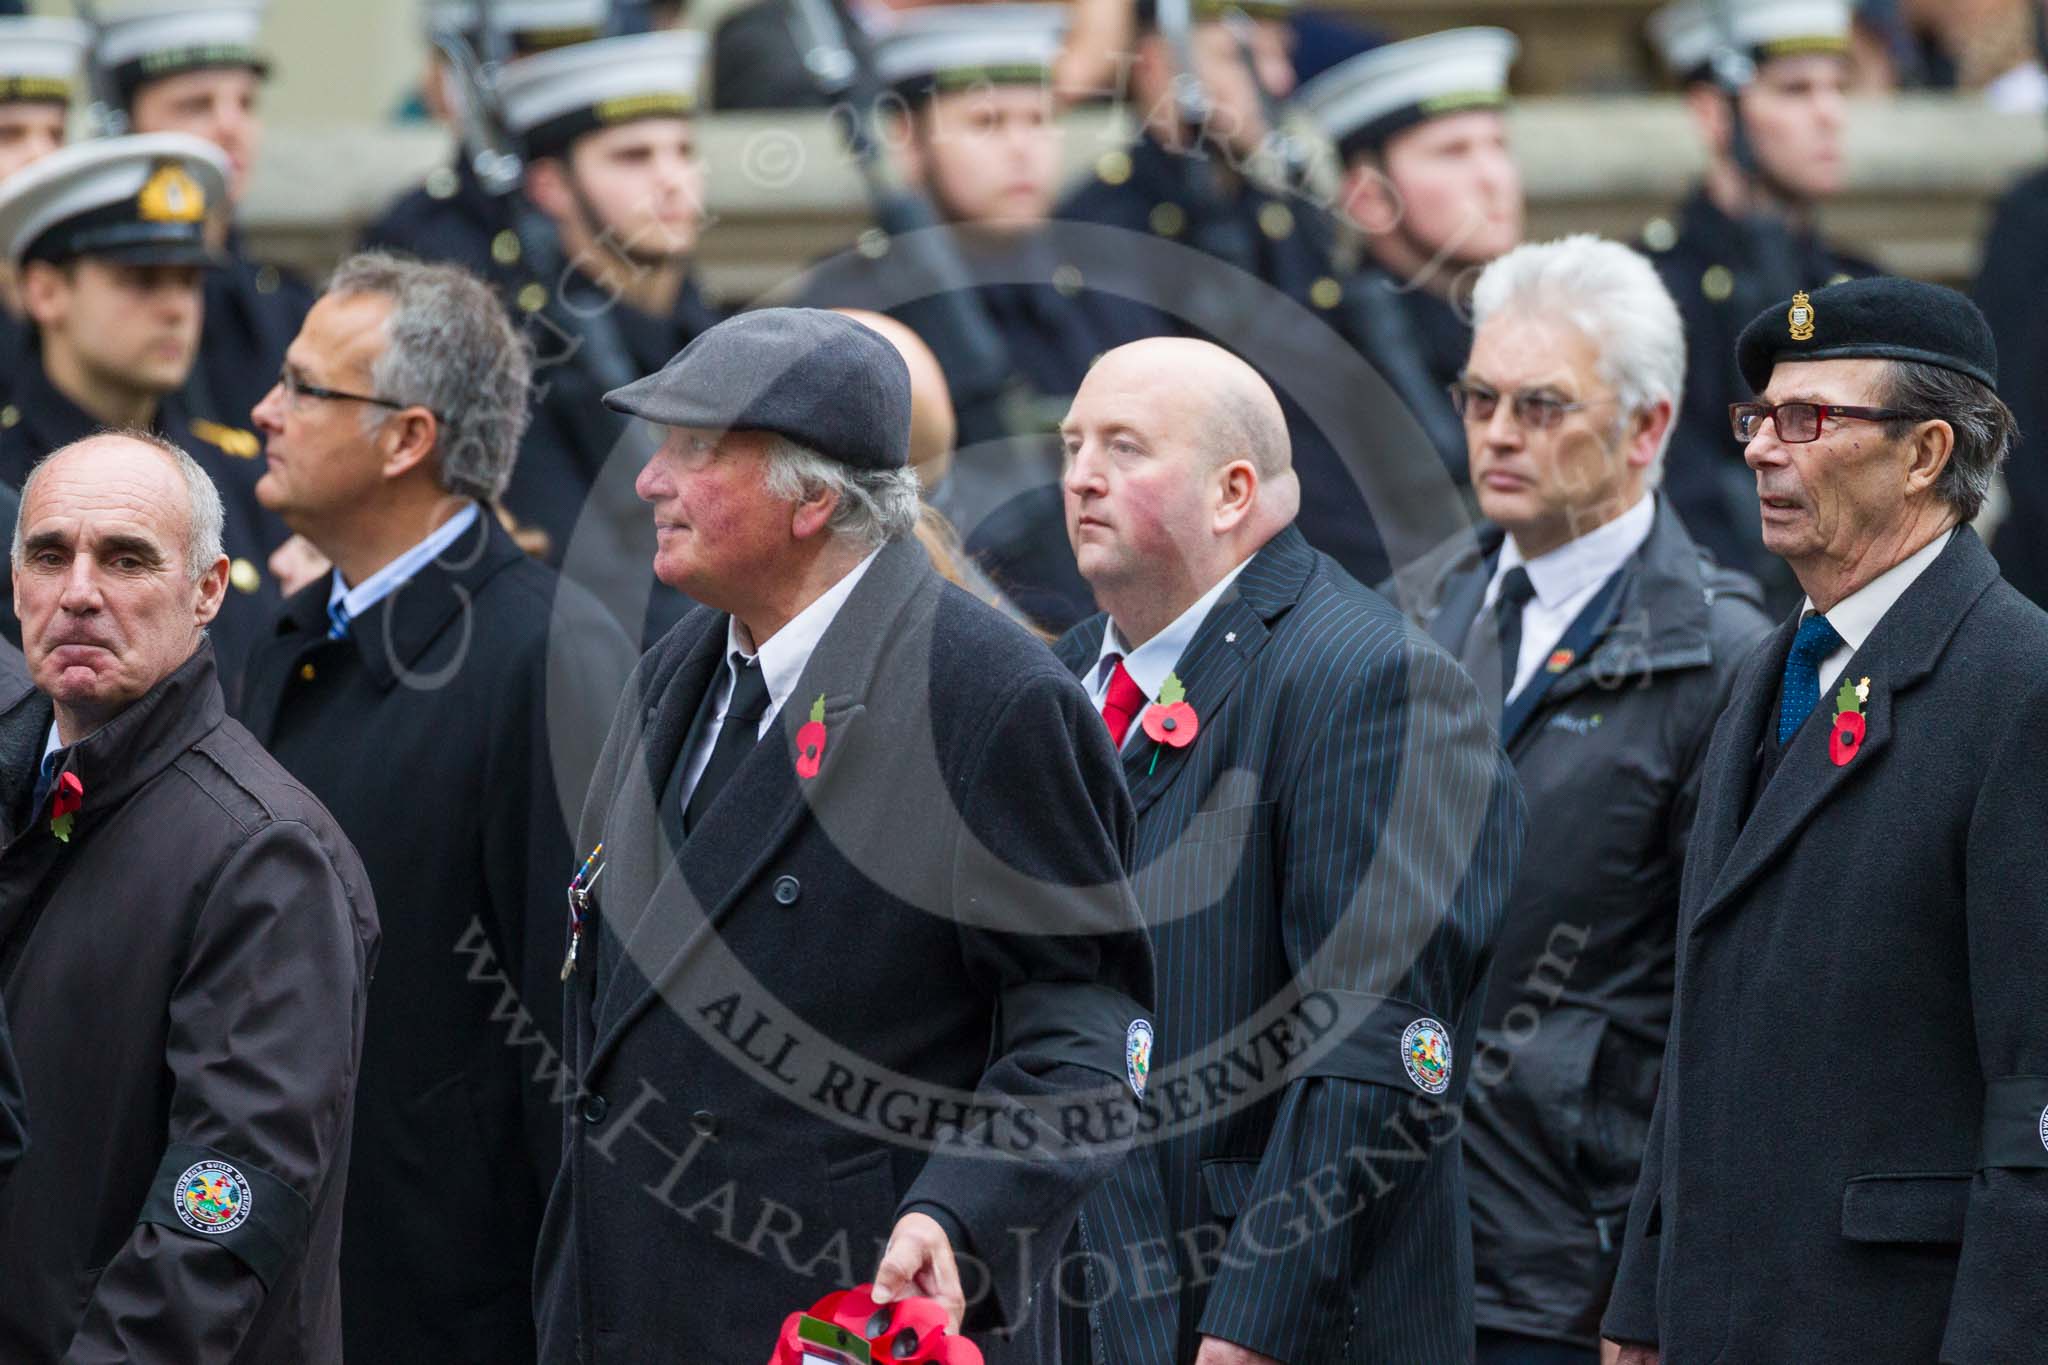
[(1901, 652), (766, 802), (1220, 654)]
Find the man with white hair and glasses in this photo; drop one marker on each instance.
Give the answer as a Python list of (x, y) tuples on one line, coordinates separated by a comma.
[(1608, 642)]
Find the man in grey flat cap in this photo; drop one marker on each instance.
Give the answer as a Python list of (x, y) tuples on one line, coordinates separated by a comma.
[(854, 974)]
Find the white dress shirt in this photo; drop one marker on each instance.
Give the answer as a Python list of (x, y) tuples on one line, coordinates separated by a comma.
[(1566, 579), (393, 576), (1856, 615), (781, 662), (1150, 662)]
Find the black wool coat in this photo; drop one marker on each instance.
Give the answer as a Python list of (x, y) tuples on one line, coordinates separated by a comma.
[(1847, 1161), (1324, 868), (1609, 747), (452, 734), (905, 981), (185, 979)]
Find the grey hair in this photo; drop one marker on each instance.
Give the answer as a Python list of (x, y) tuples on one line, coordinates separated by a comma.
[(449, 347), (875, 506), (202, 500), (1611, 296), (1983, 425)]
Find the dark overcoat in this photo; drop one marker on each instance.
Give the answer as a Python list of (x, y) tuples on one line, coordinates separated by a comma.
[(1847, 1161), (451, 733), (905, 981), (1324, 868), (253, 312), (185, 978), (1609, 746), (2010, 286)]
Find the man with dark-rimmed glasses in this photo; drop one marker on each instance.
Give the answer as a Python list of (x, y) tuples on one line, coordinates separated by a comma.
[(1849, 1159), (444, 695), (1613, 640)]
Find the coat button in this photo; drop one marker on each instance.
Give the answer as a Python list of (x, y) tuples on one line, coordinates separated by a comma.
[(307, 672), (704, 1123), (787, 889), (594, 1108)]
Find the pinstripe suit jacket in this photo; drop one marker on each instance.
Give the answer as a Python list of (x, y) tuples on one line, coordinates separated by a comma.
[(1324, 869)]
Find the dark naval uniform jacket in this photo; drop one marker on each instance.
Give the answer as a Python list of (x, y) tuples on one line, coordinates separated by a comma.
[(1849, 1160), (1707, 261), (907, 981), (449, 218), (1324, 868), (2010, 286), (47, 421), (1609, 746), (185, 979), (253, 311), (1282, 246), (451, 733), (566, 482)]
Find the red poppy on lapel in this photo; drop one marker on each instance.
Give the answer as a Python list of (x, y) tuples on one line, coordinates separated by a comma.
[(1845, 736), (1170, 720), (65, 800), (810, 741)]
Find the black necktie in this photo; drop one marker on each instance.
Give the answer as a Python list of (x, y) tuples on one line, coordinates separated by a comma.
[(736, 738), (1515, 592)]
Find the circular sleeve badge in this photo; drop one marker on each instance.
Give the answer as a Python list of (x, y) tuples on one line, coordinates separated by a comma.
[(1426, 1054), (212, 1197), (2044, 1127), (1138, 1055)]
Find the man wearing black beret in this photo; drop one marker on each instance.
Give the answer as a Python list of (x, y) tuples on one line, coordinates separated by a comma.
[(1849, 1156), (852, 963)]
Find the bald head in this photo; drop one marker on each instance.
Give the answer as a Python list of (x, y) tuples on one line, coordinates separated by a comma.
[(1230, 412), (1177, 470), (109, 583)]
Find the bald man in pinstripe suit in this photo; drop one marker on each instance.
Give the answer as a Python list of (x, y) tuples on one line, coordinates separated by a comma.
[(1326, 836)]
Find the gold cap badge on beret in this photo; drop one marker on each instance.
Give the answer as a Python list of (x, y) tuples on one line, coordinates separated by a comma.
[(171, 196), (1800, 316)]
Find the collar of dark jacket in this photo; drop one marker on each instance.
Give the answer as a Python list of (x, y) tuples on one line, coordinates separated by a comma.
[(1910, 639), (396, 630), (841, 667), (132, 748), (1270, 584), (1665, 590)]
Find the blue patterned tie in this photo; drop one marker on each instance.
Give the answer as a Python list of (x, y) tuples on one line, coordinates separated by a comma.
[(337, 613), (1801, 690)]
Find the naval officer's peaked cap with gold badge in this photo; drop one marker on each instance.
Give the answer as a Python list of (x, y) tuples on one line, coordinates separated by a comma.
[(143, 200), (139, 43), (530, 25), (1883, 318), (1688, 33), (553, 98), (40, 59), (1364, 100), (940, 48)]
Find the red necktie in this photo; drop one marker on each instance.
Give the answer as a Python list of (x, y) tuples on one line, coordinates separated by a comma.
[(1121, 704)]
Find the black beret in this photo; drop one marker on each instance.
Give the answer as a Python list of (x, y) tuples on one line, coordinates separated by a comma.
[(1884, 318), (819, 378)]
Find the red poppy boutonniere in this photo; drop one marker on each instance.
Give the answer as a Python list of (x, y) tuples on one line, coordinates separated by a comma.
[(1845, 737), (810, 741), (1170, 722), (65, 799)]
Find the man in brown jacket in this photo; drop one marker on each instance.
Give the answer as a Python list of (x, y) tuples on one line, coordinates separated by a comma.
[(185, 943)]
